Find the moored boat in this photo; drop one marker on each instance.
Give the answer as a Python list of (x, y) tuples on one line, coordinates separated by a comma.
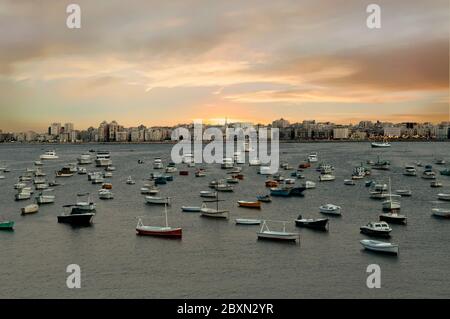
[(30, 209), (264, 198), (249, 204), (314, 223), (6, 225), (191, 209), (381, 229), (49, 155), (157, 200), (443, 196), (393, 218), (330, 209), (76, 216), (380, 144), (247, 221), (380, 246), (283, 235)]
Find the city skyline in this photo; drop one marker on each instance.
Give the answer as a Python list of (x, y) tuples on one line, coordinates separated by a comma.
[(250, 62)]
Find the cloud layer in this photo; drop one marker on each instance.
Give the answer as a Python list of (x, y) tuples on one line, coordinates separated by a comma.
[(152, 62)]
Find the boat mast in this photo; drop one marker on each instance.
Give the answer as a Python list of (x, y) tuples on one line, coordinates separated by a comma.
[(165, 211)]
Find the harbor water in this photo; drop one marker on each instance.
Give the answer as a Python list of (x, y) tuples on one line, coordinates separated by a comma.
[(216, 258)]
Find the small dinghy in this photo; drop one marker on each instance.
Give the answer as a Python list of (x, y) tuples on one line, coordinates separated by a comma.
[(266, 233), (30, 209), (247, 204), (380, 246), (247, 221), (381, 229), (314, 223), (157, 200), (330, 209), (442, 196), (327, 178), (403, 192), (435, 184), (209, 194), (191, 209), (6, 225), (350, 182), (130, 181), (441, 212), (105, 194), (264, 198)]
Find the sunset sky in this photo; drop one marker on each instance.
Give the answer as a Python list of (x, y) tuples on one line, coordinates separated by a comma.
[(168, 62)]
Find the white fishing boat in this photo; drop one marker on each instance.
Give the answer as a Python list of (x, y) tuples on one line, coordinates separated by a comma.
[(309, 185), (97, 179), (380, 144), (376, 229), (82, 171), (429, 175), (49, 155), (380, 246), (39, 180), (157, 200), (30, 209), (330, 209), (266, 233), (110, 168), (441, 212), (23, 194), (38, 163), (208, 194), (2, 177), (84, 159), (436, 184), (443, 196), (41, 186), (43, 198), (439, 161), (223, 187), (410, 170), (103, 159), (247, 221), (312, 157), (157, 163), (326, 178), (171, 169), (84, 202), (105, 194), (19, 185), (349, 182), (130, 181)]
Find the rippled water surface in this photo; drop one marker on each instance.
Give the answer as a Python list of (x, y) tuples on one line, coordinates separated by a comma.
[(216, 258)]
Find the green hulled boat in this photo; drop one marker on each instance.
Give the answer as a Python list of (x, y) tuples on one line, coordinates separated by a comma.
[(6, 225), (446, 172)]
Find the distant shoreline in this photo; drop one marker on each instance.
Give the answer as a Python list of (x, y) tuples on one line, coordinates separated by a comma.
[(205, 142)]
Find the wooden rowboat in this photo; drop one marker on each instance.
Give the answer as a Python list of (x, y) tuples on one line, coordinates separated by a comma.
[(247, 204)]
